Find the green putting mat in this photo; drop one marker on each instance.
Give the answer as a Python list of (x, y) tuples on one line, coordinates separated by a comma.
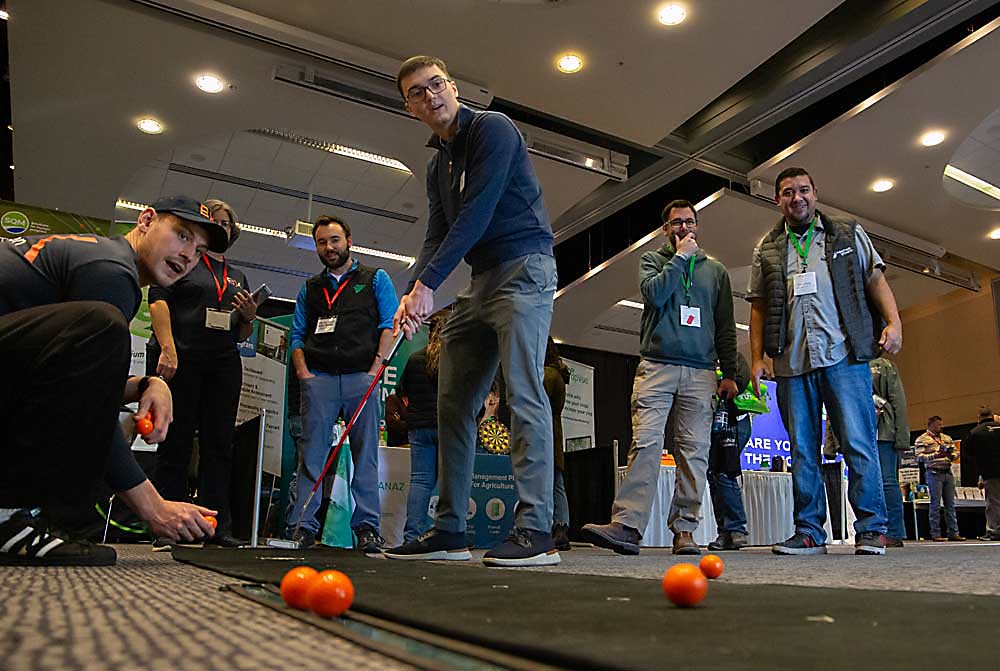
[(598, 622)]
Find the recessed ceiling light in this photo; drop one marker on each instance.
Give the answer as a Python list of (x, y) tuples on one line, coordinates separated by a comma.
[(209, 83), (881, 185), (150, 126), (631, 304), (569, 64), (672, 14), (995, 234), (932, 138)]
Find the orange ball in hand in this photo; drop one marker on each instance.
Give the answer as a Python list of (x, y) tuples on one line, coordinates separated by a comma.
[(144, 426), (711, 566), (295, 585), (211, 520), (685, 585), (330, 594)]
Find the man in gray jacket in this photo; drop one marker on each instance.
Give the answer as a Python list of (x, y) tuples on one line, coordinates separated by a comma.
[(687, 325)]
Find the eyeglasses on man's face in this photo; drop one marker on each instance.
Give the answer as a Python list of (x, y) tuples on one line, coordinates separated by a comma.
[(678, 223), (418, 93)]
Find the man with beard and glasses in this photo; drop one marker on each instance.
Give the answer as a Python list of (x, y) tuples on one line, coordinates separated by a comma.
[(687, 325), (341, 332), (65, 305)]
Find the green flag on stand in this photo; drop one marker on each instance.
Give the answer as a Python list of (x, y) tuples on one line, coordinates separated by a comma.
[(337, 527)]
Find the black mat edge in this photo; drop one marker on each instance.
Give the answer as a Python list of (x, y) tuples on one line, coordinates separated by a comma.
[(333, 626)]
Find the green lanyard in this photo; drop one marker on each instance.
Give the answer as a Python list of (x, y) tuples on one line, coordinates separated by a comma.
[(688, 278), (803, 251)]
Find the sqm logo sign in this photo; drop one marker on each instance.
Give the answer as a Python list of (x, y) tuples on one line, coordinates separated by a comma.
[(14, 222)]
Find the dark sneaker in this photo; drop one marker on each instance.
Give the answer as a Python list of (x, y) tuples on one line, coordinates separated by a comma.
[(25, 541), (869, 543), (303, 538), (799, 544), (162, 545), (524, 547), (369, 542), (956, 537), (615, 536), (560, 537), (165, 544), (225, 541), (729, 540), (891, 542), (684, 544), (431, 545)]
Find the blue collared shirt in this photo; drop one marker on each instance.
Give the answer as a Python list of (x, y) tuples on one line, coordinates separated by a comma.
[(385, 296)]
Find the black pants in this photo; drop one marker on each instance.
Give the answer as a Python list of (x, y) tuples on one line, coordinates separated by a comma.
[(62, 377), (206, 391)]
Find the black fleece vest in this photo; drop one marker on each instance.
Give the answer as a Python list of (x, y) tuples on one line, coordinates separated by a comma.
[(352, 346), (858, 318)]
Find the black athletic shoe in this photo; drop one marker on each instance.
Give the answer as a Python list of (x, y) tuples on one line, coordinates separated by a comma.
[(729, 540), (869, 543), (524, 547), (433, 544), (369, 542), (304, 538), (225, 541), (615, 536), (560, 537), (891, 542), (25, 541), (799, 544)]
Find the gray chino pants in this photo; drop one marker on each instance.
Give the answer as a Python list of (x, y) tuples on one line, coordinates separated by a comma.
[(502, 318), (658, 388)]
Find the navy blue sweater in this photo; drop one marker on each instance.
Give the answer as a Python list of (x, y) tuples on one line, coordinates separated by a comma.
[(485, 201)]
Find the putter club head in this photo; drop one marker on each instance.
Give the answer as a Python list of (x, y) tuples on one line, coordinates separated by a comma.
[(282, 543)]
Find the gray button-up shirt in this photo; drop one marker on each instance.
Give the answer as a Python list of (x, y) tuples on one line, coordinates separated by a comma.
[(815, 337)]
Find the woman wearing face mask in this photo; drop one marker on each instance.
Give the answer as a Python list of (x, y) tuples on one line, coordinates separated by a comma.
[(197, 323)]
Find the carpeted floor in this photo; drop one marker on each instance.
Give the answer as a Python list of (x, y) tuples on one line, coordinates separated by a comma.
[(577, 621), (150, 612)]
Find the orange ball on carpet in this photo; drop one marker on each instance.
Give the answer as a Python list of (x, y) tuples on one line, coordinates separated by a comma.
[(295, 585), (711, 566), (685, 585), (330, 594)]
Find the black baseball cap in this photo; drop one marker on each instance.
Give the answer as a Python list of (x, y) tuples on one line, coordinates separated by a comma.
[(195, 212)]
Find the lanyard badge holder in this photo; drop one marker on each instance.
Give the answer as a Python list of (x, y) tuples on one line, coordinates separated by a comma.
[(690, 315), (218, 319), (803, 283), (329, 324)]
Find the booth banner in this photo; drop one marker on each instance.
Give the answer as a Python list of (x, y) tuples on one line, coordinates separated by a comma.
[(263, 355), (19, 220), (768, 437), (491, 506), (578, 413)]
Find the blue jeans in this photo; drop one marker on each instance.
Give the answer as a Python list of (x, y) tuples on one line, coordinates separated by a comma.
[(324, 398), (501, 318), (888, 458), (846, 390), (560, 504), (942, 486), (727, 502), (423, 477)]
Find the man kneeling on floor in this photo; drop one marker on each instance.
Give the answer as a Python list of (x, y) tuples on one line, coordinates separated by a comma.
[(687, 324), (65, 306)]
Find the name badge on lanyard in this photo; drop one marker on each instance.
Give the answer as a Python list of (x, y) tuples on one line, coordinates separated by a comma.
[(217, 319), (690, 315), (329, 324), (804, 284), (326, 324)]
